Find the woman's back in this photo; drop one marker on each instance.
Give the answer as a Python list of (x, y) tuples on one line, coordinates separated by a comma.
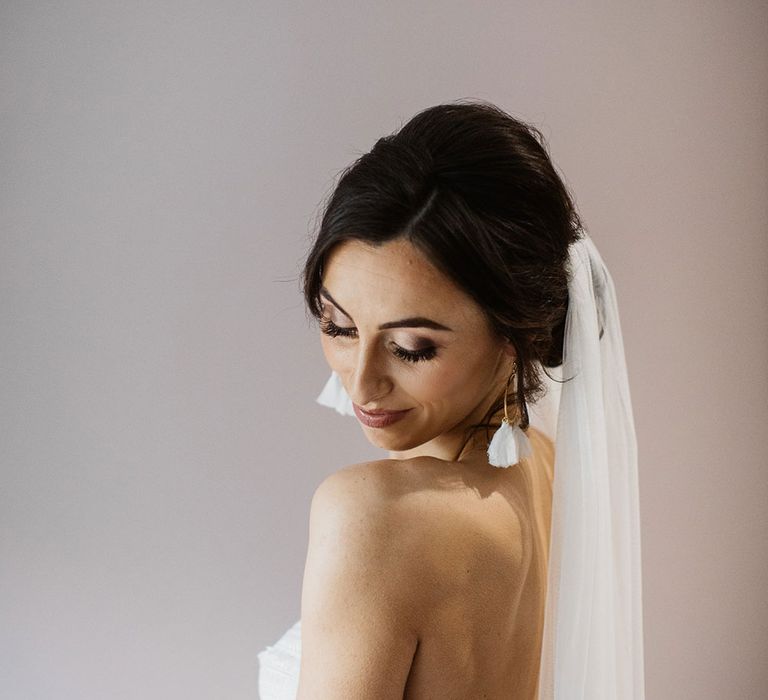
[(446, 599), (483, 639)]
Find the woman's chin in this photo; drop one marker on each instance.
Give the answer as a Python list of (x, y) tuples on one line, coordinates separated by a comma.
[(390, 440)]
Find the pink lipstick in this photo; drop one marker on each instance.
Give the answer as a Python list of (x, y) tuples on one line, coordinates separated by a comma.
[(378, 419)]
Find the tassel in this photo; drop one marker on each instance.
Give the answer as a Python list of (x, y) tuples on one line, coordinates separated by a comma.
[(508, 446), (334, 395)]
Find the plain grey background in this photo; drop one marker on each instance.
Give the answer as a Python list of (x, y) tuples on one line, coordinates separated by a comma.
[(163, 164)]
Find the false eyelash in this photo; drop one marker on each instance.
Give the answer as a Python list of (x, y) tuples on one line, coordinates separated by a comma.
[(414, 356), (330, 328)]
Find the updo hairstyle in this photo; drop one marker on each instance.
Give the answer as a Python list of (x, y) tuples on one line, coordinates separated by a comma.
[(474, 189)]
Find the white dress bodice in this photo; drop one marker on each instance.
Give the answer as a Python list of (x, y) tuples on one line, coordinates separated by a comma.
[(279, 666)]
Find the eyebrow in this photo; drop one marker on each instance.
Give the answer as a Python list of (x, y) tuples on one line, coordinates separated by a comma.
[(412, 322)]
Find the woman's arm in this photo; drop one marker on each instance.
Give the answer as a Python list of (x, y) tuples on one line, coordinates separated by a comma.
[(362, 595)]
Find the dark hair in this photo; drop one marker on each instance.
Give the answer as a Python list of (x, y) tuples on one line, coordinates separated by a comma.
[(475, 190)]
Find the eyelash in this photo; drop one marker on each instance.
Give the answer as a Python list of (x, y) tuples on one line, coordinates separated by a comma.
[(330, 328)]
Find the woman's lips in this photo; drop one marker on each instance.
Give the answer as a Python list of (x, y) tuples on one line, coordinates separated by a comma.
[(379, 419)]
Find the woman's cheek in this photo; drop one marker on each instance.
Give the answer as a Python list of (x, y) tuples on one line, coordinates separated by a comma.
[(437, 381)]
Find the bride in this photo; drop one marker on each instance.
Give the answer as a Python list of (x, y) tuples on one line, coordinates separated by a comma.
[(444, 280)]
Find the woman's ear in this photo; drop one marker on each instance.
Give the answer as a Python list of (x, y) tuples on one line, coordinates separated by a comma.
[(509, 349)]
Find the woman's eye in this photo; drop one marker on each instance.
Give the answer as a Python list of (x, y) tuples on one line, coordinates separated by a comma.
[(330, 328), (415, 355)]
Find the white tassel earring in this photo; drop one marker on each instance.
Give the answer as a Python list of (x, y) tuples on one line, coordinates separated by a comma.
[(510, 443), (334, 395)]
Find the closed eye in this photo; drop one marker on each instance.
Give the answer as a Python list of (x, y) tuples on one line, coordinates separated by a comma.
[(414, 355), (330, 328)]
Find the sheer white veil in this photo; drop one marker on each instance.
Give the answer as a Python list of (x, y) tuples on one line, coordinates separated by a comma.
[(593, 629)]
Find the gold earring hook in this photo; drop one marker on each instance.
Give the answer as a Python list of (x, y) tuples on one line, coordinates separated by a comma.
[(506, 391), (524, 410)]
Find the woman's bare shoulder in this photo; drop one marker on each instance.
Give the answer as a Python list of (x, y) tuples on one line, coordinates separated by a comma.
[(363, 523), (378, 488), (395, 484), (364, 485), (427, 509), (405, 502)]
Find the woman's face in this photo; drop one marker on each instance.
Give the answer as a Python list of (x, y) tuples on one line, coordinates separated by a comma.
[(403, 337)]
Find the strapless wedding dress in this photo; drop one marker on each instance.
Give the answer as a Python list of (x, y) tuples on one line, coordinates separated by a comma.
[(279, 667)]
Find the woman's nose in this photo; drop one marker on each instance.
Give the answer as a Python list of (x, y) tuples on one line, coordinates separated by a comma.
[(368, 380)]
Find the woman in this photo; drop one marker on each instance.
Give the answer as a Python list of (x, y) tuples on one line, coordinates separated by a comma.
[(449, 272)]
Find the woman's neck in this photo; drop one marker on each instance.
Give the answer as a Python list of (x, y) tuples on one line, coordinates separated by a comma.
[(464, 441)]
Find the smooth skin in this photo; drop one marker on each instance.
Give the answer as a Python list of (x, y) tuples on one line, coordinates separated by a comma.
[(426, 572)]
